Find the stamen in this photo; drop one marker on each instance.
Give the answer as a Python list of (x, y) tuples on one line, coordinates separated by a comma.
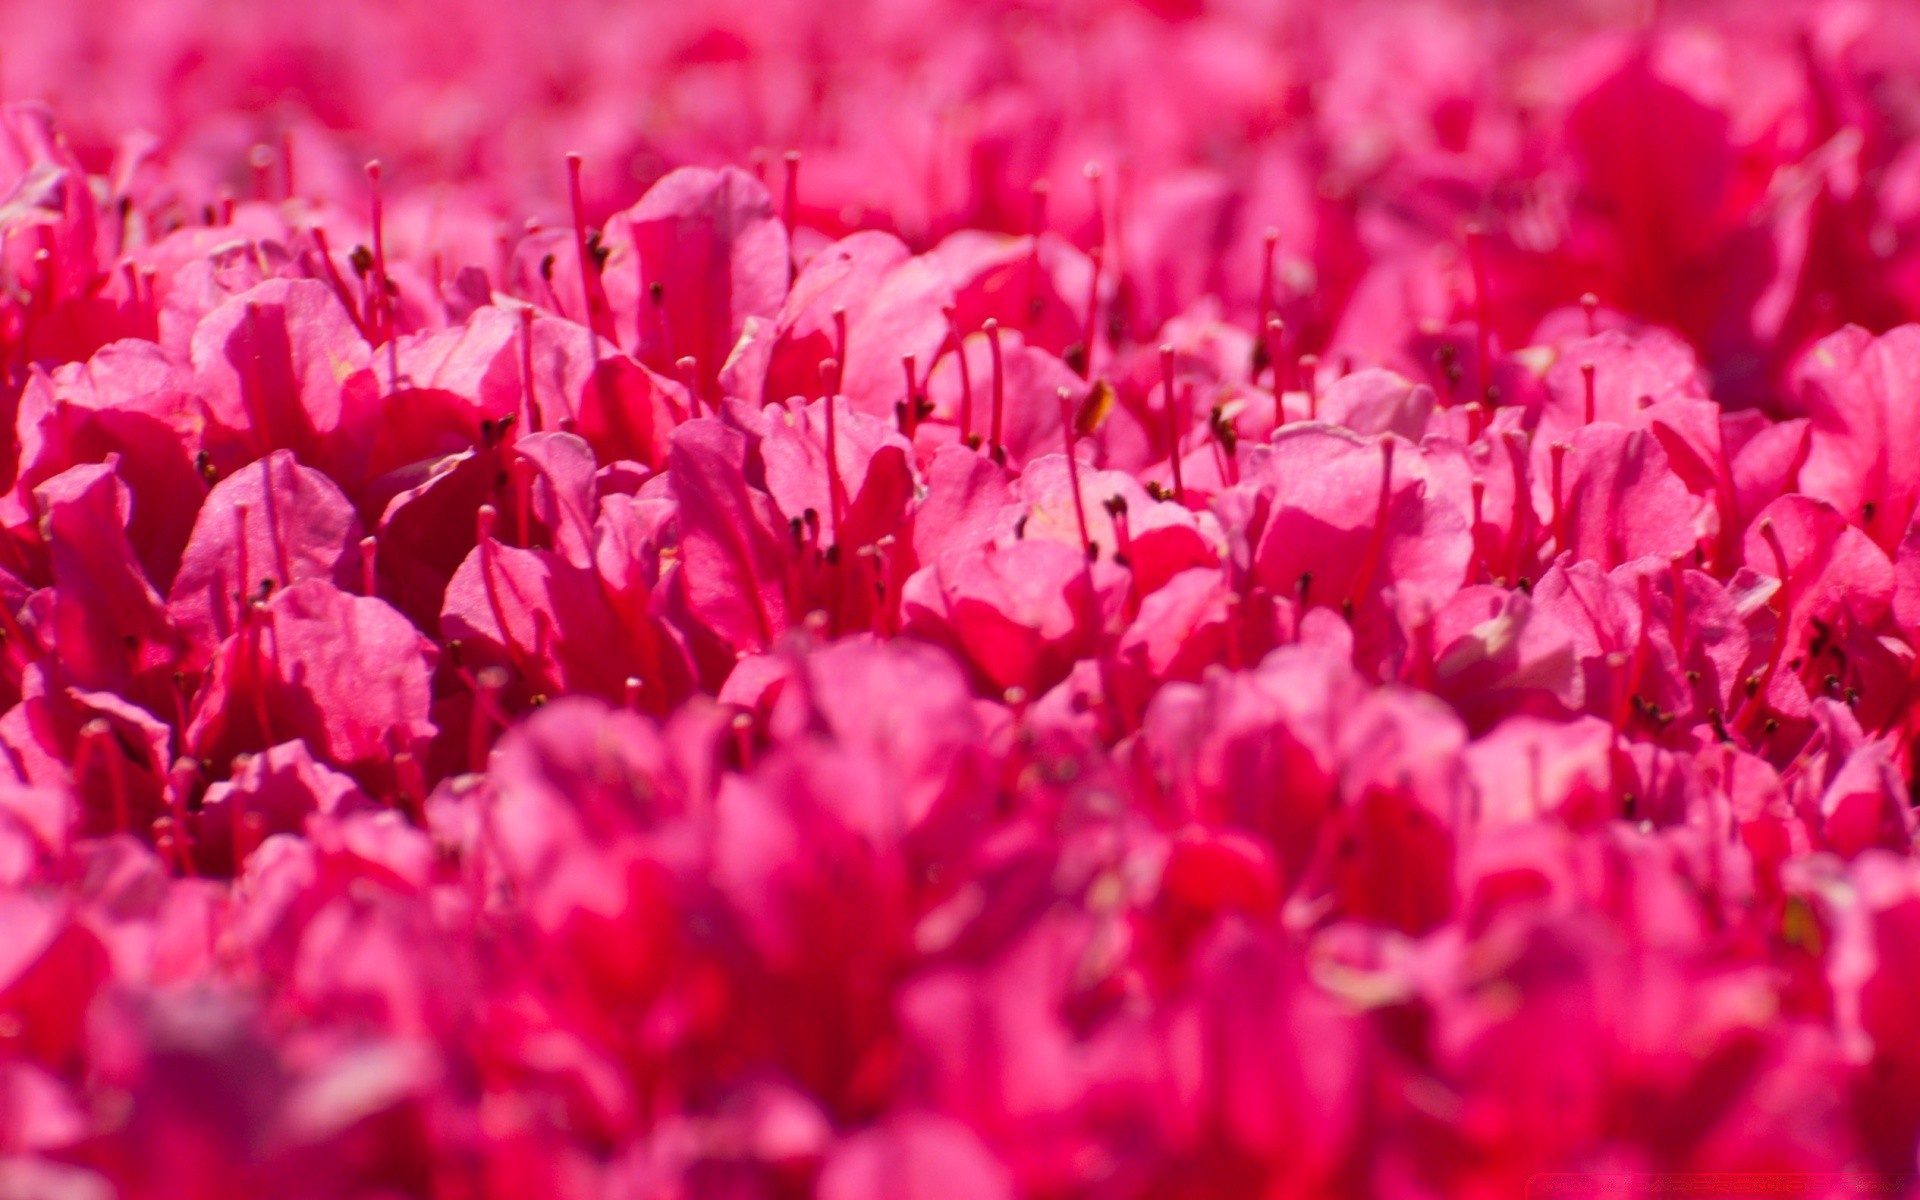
[(588, 280), (484, 522), (1097, 254), (1376, 541), (334, 280), (790, 207), (991, 328), (380, 281), (836, 494), (97, 744), (1275, 332), (1586, 374), (1558, 455), (966, 375), (487, 715), (1173, 422), (1080, 357), (910, 414), (742, 726), (532, 417), (1073, 474)]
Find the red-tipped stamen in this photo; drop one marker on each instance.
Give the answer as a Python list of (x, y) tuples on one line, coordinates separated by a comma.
[(1276, 334), (338, 283), (243, 571), (1073, 474), (1097, 254), (383, 300), (1377, 539), (1310, 380), (790, 205), (523, 472), (631, 693), (910, 416), (1586, 375), (530, 416), (991, 328), (1173, 422), (836, 493), (966, 374), (1476, 419), (589, 281), (840, 339), (484, 522), (369, 565), (1557, 454), (1591, 303)]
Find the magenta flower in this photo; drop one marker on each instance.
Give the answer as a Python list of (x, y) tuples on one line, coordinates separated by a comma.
[(1163, 599)]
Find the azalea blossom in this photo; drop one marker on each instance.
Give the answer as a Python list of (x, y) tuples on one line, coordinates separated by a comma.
[(1112, 599)]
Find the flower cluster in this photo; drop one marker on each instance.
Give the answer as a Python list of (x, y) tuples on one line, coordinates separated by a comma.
[(1110, 600)]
